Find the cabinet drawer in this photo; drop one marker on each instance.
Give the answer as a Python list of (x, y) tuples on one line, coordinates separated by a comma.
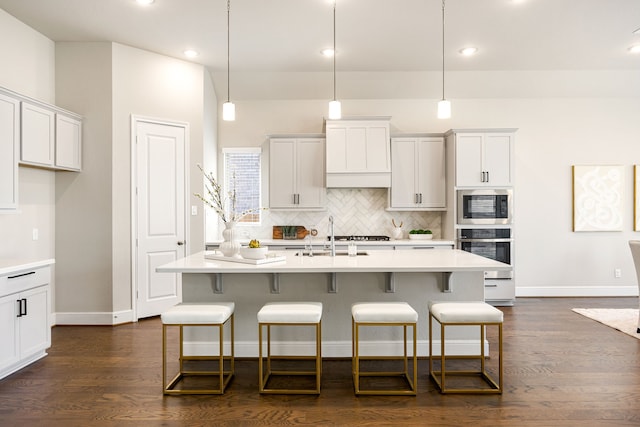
[(23, 280), (499, 290)]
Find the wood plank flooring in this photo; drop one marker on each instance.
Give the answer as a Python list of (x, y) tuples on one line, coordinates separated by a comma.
[(561, 369)]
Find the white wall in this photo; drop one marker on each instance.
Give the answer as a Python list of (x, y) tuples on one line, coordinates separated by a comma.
[(83, 200), (28, 68)]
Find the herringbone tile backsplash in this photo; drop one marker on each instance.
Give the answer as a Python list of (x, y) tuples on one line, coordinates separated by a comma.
[(359, 211)]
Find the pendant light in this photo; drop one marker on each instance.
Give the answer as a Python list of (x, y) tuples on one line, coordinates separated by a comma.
[(228, 108), (444, 106), (335, 109)]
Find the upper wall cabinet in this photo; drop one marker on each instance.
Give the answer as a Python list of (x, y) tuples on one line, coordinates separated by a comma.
[(418, 180), (296, 173), (358, 152), (51, 138), (9, 144), (483, 159)]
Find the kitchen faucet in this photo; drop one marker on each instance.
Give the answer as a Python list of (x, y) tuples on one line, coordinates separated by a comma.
[(332, 237)]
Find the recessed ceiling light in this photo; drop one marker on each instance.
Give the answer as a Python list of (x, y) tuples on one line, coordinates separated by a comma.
[(144, 2), (328, 52), (468, 51), (190, 53), (635, 48)]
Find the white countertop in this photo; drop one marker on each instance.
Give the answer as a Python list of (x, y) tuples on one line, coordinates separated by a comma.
[(382, 261), (10, 266), (320, 242)]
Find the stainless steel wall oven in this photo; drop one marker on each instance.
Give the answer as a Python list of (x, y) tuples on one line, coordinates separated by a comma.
[(494, 243)]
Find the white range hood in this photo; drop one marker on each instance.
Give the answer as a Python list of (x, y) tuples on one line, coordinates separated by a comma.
[(358, 152)]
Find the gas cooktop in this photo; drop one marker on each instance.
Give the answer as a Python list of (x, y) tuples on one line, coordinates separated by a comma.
[(361, 238)]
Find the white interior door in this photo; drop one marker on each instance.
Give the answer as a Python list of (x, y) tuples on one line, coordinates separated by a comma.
[(160, 202)]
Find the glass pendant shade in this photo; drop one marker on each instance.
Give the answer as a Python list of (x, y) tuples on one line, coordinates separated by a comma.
[(444, 109), (335, 110), (228, 111)]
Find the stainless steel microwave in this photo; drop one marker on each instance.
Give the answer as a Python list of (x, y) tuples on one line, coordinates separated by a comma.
[(485, 207)]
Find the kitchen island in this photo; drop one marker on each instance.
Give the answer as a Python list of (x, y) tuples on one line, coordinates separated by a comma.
[(381, 275)]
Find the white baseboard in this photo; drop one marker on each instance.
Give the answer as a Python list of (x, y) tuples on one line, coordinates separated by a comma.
[(335, 348), (576, 291), (93, 318)]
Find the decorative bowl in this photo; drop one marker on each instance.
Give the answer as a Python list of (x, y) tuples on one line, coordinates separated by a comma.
[(254, 253), (420, 236)]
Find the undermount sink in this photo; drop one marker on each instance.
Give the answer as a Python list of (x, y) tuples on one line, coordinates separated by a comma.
[(328, 253)]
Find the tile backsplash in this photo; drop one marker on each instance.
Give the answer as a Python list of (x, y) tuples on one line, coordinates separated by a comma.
[(359, 211)]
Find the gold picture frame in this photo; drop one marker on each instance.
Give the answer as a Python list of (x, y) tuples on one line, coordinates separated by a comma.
[(598, 197)]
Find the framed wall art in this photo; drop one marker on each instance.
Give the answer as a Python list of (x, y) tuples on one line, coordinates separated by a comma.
[(597, 197)]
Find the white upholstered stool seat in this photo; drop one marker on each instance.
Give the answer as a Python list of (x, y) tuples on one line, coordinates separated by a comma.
[(384, 314), (216, 315), (465, 313), (295, 314)]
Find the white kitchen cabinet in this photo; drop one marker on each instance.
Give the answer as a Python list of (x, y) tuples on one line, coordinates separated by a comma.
[(500, 292), (418, 180), (296, 173), (37, 145), (484, 159), (9, 146), (358, 153), (25, 305), (68, 143)]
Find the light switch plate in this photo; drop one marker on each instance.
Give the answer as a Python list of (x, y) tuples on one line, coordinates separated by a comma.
[(194, 210)]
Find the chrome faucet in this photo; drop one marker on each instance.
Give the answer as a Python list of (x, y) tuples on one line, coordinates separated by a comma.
[(332, 237)]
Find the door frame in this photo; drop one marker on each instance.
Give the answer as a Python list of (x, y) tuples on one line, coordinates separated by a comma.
[(135, 119)]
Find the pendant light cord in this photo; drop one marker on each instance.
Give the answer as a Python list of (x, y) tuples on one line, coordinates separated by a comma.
[(334, 50), (443, 49), (228, 50)]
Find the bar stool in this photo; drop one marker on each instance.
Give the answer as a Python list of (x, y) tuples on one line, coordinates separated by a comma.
[(298, 314), (384, 314), (465, 313), (215, 315)]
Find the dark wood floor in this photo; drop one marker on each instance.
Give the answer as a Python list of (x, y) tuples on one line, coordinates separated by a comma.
[(561, 369)]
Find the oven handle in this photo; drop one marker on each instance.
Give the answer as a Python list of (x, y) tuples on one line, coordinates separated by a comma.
[(486, 240)]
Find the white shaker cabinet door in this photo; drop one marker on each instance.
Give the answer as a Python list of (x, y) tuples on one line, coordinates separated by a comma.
[(9, 145), (310, 173), (35, 333), (9, 345), (38, 135), (282, 173), (403, 173), (68, 143)]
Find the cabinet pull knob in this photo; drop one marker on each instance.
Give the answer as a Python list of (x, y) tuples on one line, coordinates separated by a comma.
[(487, 176), (25, 307), (181, 242), (19, 308)]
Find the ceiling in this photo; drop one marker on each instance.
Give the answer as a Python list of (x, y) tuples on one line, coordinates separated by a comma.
[(372, 35)]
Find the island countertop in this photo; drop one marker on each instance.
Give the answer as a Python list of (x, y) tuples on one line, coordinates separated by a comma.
[(380, 261)]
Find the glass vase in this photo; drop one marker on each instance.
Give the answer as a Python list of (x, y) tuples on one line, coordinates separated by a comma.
[(230, 246)]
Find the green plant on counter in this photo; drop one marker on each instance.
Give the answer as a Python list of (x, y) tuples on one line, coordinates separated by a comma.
[(419, 231)]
